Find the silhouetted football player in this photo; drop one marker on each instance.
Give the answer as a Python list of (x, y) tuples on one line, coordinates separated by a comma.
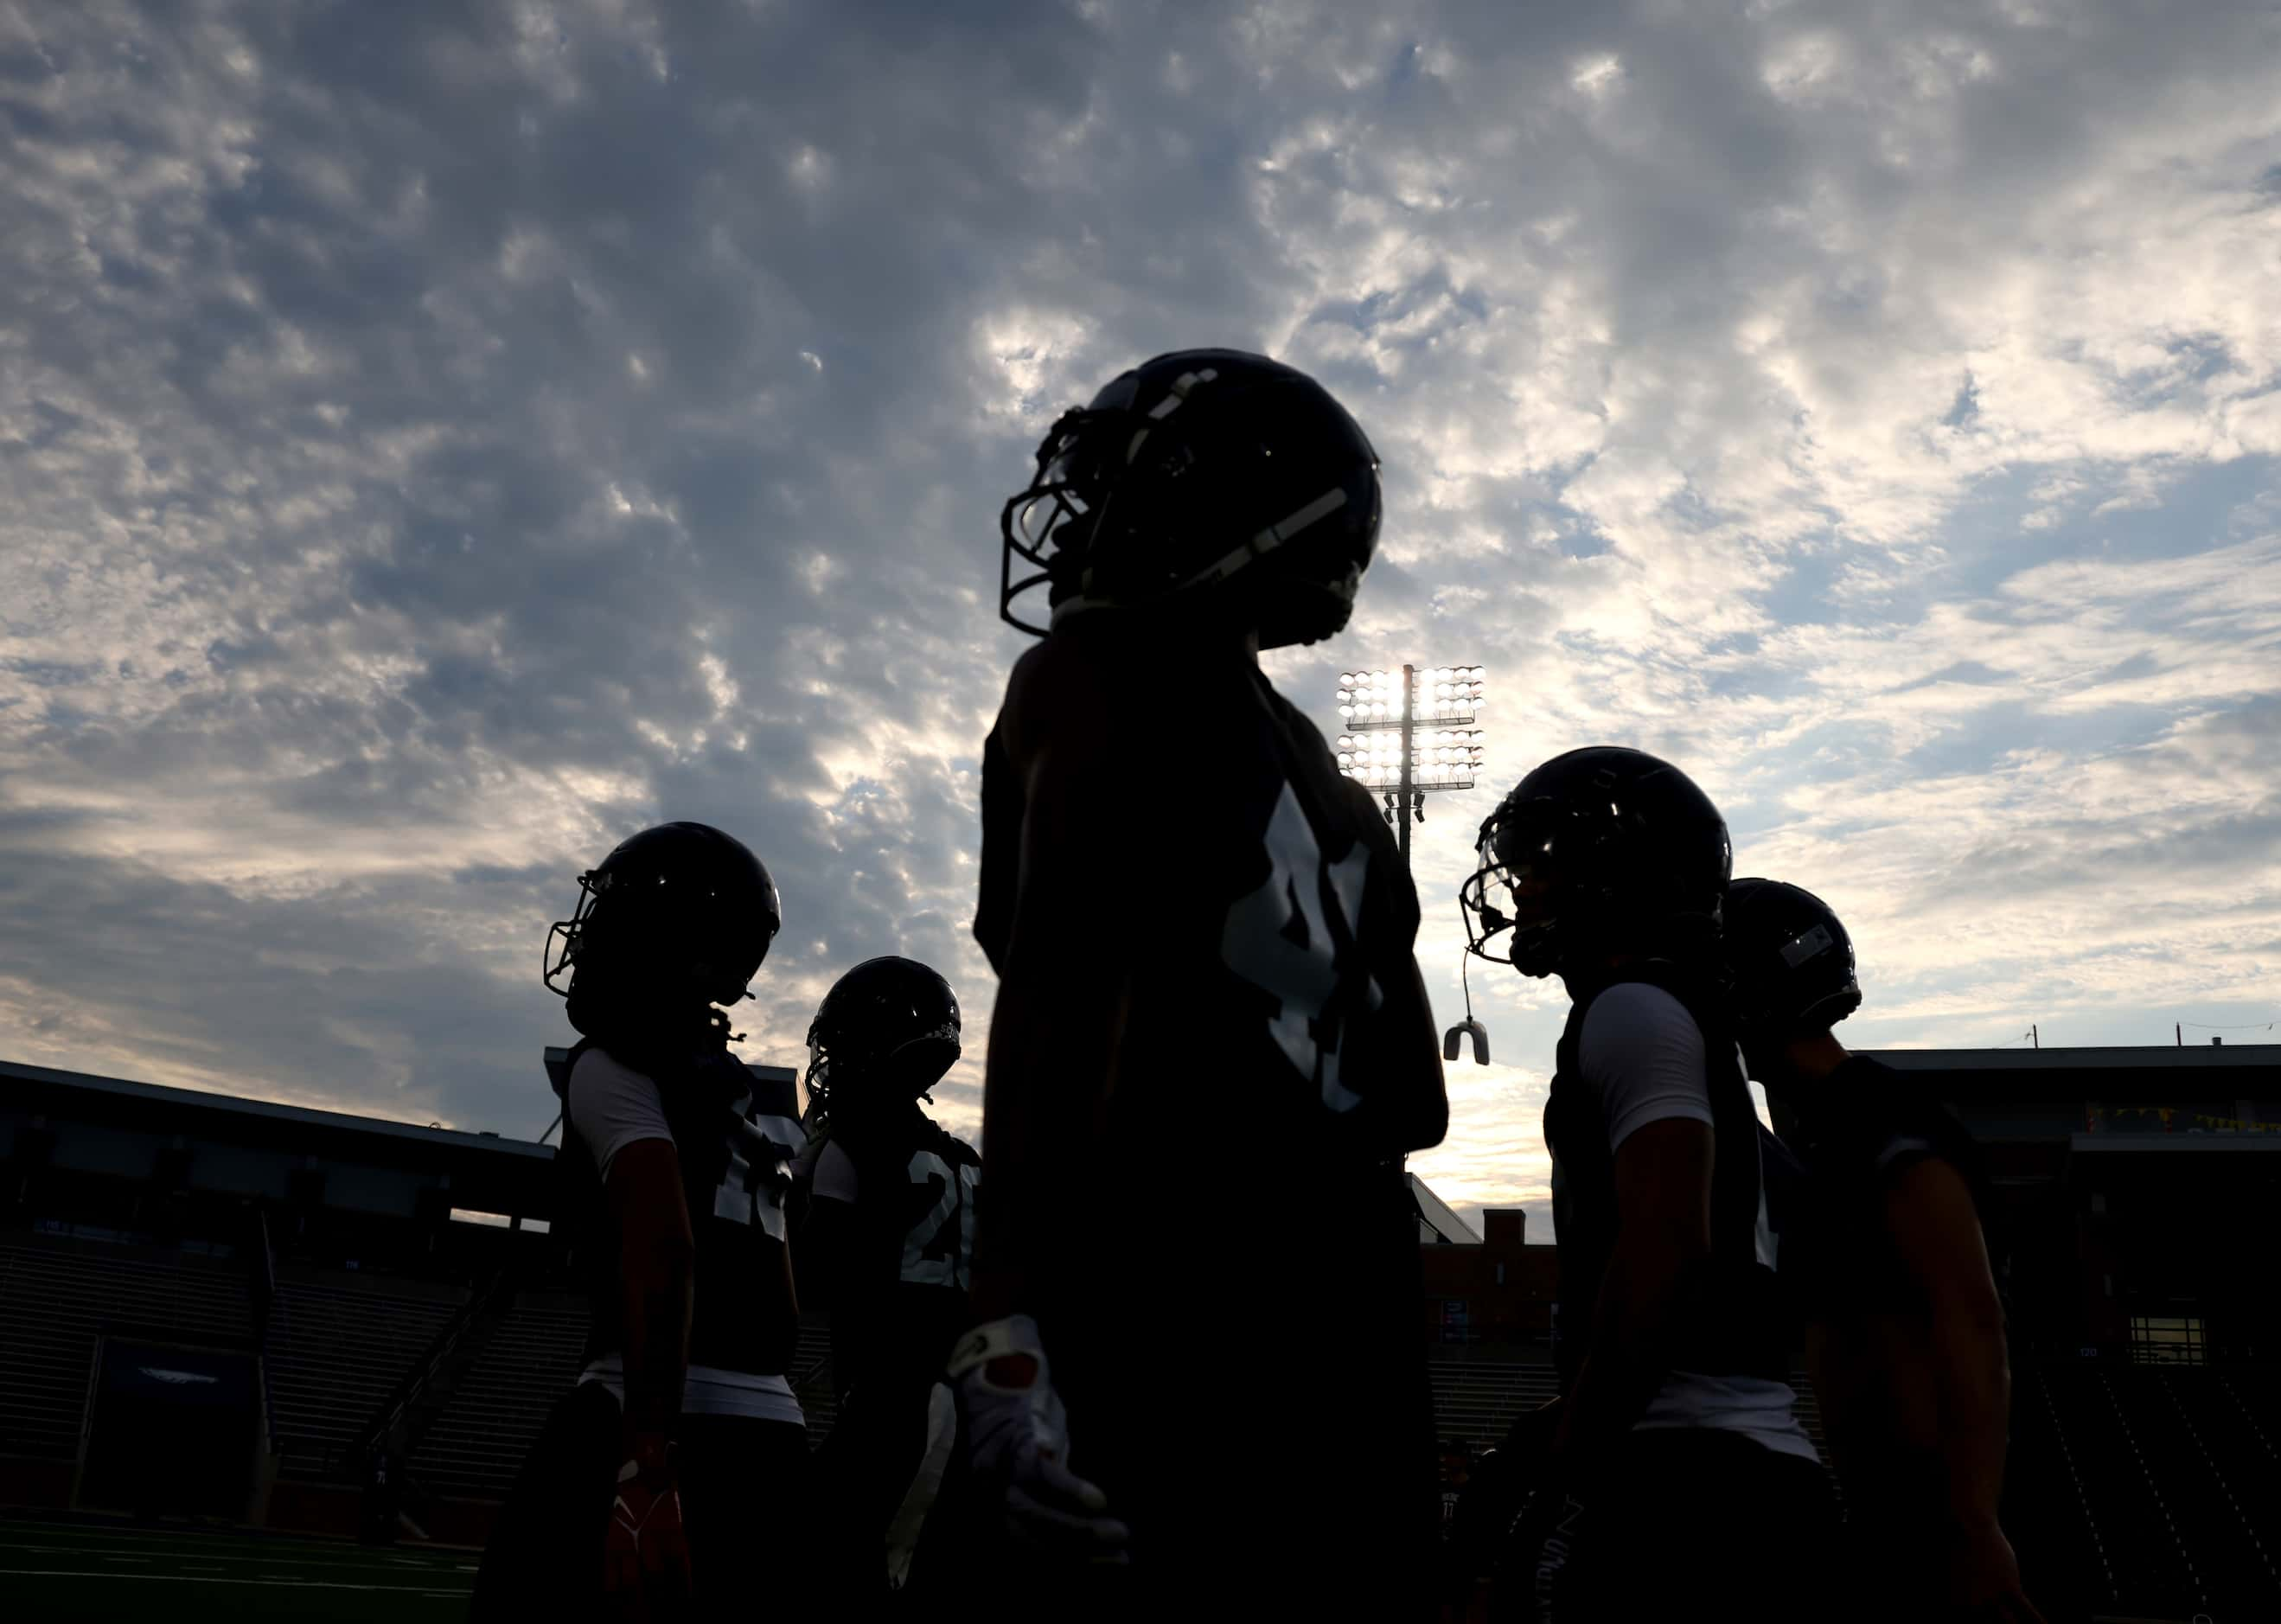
[(677, 1159), (1211, 1046), (1907, 1337), (887, 1246), (1676, 1454)]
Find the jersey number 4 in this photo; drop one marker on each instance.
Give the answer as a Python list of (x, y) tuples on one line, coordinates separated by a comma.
[(939, 1248), (1293, 939)]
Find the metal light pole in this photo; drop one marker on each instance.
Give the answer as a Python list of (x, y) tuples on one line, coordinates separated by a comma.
[(1375, 704), (1409, 711)]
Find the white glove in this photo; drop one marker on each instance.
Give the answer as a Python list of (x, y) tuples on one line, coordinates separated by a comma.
[(1017, 1443)]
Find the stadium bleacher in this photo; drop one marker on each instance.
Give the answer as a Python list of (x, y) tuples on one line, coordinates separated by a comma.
[(2147, 1488), (811, 1378), (1476, 1401), (58, 1294), (2242, 1422), (477, 1444), (2048, 1506), (338, 1344)]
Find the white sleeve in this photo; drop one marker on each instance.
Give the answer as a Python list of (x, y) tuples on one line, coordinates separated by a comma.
[(835, 1174), (612, 1105), (1642, 1054)]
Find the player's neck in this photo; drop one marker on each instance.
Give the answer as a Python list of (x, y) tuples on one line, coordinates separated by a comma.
[(1807, 1060), (1201, 633)]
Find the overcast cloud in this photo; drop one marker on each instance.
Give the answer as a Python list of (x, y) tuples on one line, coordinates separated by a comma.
[(436, 441)]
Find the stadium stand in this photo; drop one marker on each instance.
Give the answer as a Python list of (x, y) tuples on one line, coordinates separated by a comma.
[(1477, 1401), (475, 1445), (345, 1249), (2188, 1454), (2242, 1423), (811, 1378), (338, 1343), (2135, 1508), (57, 1294), (2048, 1508)]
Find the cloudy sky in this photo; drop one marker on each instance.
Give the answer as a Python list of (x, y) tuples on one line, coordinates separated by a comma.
[(436, 441)]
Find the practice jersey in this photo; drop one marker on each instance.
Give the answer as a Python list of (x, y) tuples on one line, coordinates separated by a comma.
[(733, 1135), (1856, 1132), (895, 1257), (1668, 1056), (1256, 895)]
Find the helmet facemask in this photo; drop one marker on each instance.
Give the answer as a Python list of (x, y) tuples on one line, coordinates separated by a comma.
[(851, 1087), (1050, 524), (716, 971), (1520, 887)]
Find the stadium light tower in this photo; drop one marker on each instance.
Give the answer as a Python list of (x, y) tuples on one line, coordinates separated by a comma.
[(1407, 733)]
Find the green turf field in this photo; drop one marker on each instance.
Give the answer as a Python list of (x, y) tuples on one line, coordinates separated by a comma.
[(55, 1570)]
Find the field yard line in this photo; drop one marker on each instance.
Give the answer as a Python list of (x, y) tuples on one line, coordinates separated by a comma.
[(298, 1584), (318, 1558), (168, 1541)]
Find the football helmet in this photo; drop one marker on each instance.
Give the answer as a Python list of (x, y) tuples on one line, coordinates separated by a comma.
[(679, 908), (1790, 959), (1190, 470), (1592, 852), (886, 1032)]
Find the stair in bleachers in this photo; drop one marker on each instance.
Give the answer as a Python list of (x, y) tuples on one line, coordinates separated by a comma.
[(2219, 1486), (57, 1295), (2151, 1569), (2227, 1403), (2047, 1510), (338, 1345), (475, 1447)]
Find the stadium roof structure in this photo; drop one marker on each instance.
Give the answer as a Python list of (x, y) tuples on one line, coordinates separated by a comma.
[(2149, 1072), (2143, 1057), (1438, 1215), (13, 1072)]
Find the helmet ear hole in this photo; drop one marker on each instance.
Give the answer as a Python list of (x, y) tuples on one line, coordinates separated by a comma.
[(1789, 958)]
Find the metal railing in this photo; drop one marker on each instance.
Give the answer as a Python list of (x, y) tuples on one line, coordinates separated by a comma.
[(269, 1308), (414, 1381)]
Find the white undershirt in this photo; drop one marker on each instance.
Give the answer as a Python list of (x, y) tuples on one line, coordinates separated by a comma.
[(612, 1105), (1643, 1055)]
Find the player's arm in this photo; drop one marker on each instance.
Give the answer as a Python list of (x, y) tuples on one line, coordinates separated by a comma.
[(1654, 1273), (618, 1114), (657, 1251), (1062, 993), (1408, 1068), (1935, 1234)]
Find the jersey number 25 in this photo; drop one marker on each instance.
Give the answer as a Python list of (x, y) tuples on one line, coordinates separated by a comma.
[(939, 1248)]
